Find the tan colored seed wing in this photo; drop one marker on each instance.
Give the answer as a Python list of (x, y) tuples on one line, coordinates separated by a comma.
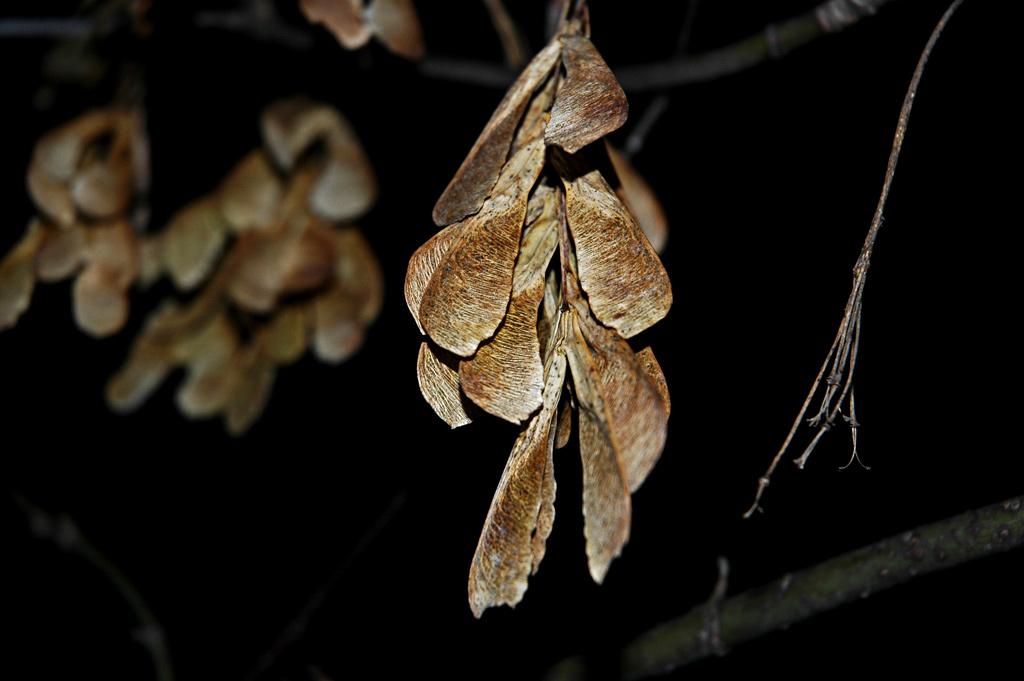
[(512, 541), (396, 24), (639, 199), (625, 281), (606, 502), (439, 384), (61, 253), (479, 172), (469, 292), (590, 104), (505, 377), (343, 18), (18, 277), (424, 262), (192, 242)]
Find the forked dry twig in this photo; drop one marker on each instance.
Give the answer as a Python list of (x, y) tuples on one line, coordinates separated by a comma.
[(844, 348)]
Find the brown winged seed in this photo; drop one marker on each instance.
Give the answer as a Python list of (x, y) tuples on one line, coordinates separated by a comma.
[(508, 324)]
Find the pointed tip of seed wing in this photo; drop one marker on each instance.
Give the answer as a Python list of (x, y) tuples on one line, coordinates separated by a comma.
[(479, 172), (590, 104), (439, 384)]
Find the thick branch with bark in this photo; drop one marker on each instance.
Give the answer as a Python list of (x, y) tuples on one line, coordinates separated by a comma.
[(798, 596)]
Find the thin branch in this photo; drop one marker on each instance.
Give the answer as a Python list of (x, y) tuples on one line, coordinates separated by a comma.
[(798, 596), (63, 531), (513, 43), (773, 42), (848, 339), (297, 627)]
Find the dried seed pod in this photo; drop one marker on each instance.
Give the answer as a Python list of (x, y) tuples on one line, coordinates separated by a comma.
[(512, 327)]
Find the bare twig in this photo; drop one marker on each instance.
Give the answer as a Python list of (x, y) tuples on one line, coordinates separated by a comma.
[(773, 42), (297, 627), (513, 43), (659, 105), (63, 531), (800, 595), (259, 20), (844, 348)]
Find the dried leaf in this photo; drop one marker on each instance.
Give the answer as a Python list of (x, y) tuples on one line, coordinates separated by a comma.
[(439, 384), (479, 172), (512, 541), (590, 104), (396, 24), (468, 294), (640, 200), (192, 242), (343, 18), (505, 376), (250, 194), (61, 253), (18, 277), (625, 281)]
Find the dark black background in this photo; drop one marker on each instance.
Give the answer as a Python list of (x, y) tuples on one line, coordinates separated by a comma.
[(769, 178)]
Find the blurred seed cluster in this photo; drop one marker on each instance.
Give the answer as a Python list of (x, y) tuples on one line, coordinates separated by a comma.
[(276, 269)]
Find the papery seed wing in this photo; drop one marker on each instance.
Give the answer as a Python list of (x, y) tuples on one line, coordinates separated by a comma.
[(469, 292), (18, 276), (251, 394), (62, 252), (636, 411), (337, 329), (639, 199), (606, 502), (250, 194), (478, 174), (285, 340), (396, 24), (147, 366), (590, 104), (505, 377), (424, 262), (100, 302), (357, 270), (103, 190), (209, 357), (192, 242), (625, 281), (522, 511), (343, 18), (439, 384)]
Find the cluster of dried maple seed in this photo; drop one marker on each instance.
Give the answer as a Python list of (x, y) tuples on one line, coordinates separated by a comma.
[(83, 178), (508, 323), (279, 266)]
